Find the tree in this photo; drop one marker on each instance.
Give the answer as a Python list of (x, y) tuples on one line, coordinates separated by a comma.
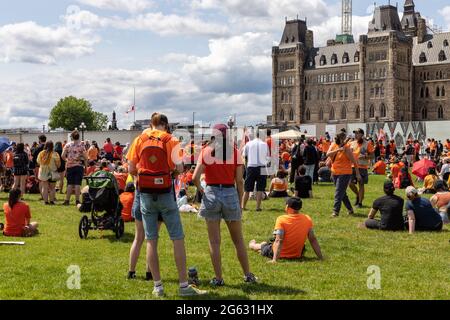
[(70, 112)]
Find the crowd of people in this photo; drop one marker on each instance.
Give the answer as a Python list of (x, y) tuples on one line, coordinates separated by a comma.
[(155, 181)]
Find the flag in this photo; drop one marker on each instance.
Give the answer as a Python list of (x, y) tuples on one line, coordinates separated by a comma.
[(133, 109), (381, 135)]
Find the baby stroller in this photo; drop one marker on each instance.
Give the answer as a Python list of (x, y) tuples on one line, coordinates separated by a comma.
[(104, 196), (6, 179)]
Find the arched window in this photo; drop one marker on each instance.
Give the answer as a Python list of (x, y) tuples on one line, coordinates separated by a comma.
[(440, 113), (422, 58), (307, 115), (383, 111), (445, 43), (321, 114), (334, 94), (346, 93), (424, 113), (442, 56), (382, 91), (427, 92), (358, 113), (422, 92), (355, 93), (306, 95), (332, 115), (282, 96), (343, 113), (430, 45), (372, 111), (345, 58), (334, 59), (323, 60), (291, 115), (282, 115), (443, 92), (357, 56), (438, 92)]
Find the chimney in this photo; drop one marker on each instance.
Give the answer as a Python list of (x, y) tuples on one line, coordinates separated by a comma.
[(421, 30), (331, 43), (309, 39)]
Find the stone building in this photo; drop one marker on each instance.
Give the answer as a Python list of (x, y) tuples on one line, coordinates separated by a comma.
[(398, 72)]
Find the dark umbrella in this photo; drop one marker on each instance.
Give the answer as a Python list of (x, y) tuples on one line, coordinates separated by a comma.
[(4, 144)]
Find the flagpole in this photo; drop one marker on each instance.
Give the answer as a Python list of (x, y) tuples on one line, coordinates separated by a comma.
[(134, 104)]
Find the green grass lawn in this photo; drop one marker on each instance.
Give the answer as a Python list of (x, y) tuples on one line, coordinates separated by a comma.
[(412, 266)]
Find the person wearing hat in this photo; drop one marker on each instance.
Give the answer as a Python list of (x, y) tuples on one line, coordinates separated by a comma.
[(364, 153), (421, 214), (290, 231), (223, 167), (441, 200), (390, 207)]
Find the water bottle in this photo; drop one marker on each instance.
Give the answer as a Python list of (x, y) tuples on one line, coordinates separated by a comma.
[(193, 276)]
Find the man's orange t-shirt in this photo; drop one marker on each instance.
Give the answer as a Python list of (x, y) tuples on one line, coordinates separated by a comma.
[(326, 146), (380, 168), (9, 159), (296, 228), (127, 199), (173, 148), (356, 148), (16, 219), (342, 165)]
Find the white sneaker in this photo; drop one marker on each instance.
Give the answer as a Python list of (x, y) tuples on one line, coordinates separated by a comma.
[(191, 291), (158, 292)]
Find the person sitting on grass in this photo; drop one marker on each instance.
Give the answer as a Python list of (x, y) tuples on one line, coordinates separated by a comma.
[(441, 200), (303, 184), (429, 181), (324, 172), (279, 186), (403, 180), (380, 167), (18, 217), (291, 231), (127, 200), (391, 210), (91, 168), (421, 214), (121, 177)]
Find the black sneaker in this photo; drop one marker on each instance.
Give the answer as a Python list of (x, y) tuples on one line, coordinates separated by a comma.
[(66, 203), (77, 203), (359, 206), (131, 275), (217, 283), (148, 276), (250, 278), (52, 203)]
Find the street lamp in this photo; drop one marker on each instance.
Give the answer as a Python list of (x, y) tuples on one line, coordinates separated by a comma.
[(82, 128)]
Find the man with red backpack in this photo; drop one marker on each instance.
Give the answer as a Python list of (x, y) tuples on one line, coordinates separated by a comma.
[(154, 159)]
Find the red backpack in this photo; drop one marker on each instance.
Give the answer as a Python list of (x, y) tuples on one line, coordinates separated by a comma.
[(154, 175)]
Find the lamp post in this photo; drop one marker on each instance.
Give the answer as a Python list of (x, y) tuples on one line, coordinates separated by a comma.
[(82, 128)]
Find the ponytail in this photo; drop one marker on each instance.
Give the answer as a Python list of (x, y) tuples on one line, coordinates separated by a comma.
[(14, 197)]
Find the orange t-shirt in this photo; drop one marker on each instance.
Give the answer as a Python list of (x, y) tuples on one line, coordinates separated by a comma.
[(9, 159), (92, 154), (217, 172), (447, 146), (173, 148), (16, 219), (356, 148), (121, 180), (395, 169), (127, 199), (326, 146), (279, 185), (296, 228), (380, 168), (342, 165), (90, 170), (286, 156)]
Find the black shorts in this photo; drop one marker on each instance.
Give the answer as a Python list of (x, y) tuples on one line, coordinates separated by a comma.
[(364, 176), (254, 176), (75, 176), (266, 250)]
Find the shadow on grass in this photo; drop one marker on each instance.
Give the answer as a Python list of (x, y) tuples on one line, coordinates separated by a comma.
[(126, 238), (215, 296), (264, 288)]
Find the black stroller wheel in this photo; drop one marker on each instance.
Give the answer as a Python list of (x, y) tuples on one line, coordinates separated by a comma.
[(120, 228), (83, 228), (2, 226)]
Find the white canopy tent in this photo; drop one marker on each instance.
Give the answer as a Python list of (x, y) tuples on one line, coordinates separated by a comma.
[(291, 134)]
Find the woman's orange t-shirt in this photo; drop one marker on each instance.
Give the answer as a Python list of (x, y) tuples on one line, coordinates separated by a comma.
[(92, 154), (286, 156), (279, 185), (342, 165), (16, 219), (127, 199)]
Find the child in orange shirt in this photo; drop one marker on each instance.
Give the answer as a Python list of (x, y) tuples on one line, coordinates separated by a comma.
[(380, 167), (18, 216), (91, 168), (127, 199)]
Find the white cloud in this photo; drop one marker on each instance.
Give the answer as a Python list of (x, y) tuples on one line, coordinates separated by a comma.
[(131, 6), (445, 12), (32, 43)]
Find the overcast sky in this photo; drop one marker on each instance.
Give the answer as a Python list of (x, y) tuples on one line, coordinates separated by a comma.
[(212, 57)]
